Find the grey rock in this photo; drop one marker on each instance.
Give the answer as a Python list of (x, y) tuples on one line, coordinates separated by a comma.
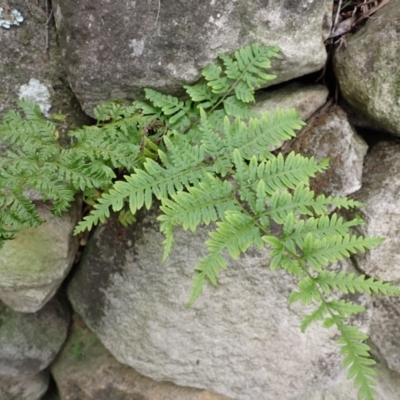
[(387, 388), (85, 370), (380, 194), (367, 69), (306, 99), (30, 342), (385, 327), (35, 263), (114, 50), (24, 387), (241, 339), (24, 59), (332, 136)]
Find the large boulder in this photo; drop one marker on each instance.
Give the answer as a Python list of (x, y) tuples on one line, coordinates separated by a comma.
[(367, 69), (241, 339), (85, 370), (35, 263), (114, 50)]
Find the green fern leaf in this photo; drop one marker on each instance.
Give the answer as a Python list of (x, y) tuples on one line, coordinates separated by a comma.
[(202, 94), (321, 252), (357, 358), (235, 234), (350, 283), (316, 315), (323, 226), (204, 203), (307, 293), (247, 69), (237, 108), (345, 308), (218, 84)]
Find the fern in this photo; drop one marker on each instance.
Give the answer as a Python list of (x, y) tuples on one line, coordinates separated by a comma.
[(208, 159), (34, 158)]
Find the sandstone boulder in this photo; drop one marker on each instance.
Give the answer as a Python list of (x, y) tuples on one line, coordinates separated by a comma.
[(241, 339), (114, 50)]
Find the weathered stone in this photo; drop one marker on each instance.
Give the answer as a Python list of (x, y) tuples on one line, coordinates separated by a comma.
[(85, 370), (367, 69), (385, 326), (114, 50), (380, 193), (28, 69), (332, 136), (34, 264), (241, 340), (306, 99), (30, 342), (388, 387), (24, 387)]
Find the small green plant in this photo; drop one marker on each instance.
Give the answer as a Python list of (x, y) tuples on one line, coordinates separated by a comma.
[(207, 158)]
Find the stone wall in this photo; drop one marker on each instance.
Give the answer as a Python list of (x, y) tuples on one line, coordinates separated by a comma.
[(114, 324)]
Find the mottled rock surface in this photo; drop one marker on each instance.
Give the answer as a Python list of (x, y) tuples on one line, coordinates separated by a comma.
[(306, 99), (241, 340), (332, 136), (34, 264), (30, 342), (31, 64), (388, 387), (380, 193), (24, 387), (114, 50), (367, 69), (385, 325), (85, 370)]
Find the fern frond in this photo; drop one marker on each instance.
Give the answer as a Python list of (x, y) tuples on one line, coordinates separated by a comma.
[(280, 173), (237, 108), (350, 283), (246, 69), (316, 315), (358, 359), (17, 211), (235, 234), (323, 226), (113, 111), (211, 141), (218, 84), (170, 106), (204, 203), (345, 308), (308, 291), (202, 94), (318, 253), (139, 187)]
